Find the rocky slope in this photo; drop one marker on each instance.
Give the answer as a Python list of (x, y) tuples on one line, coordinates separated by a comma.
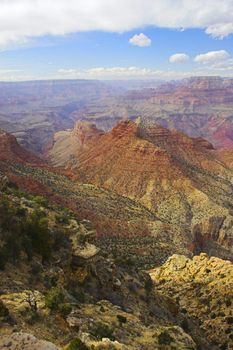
[(76, 297), (183, 180), (113, 215), (71, 253), (80, 298), (202, 287)]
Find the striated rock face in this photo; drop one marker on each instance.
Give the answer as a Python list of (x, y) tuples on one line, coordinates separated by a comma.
[(67, 143), (24, 341), (85, 131), (10, 150), (112, 214), (202, 287), (199, 106), (183, 180), (34, 111)]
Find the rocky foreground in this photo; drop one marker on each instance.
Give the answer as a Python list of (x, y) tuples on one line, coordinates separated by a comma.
[(58, 290), (202, 288), (56, 285)]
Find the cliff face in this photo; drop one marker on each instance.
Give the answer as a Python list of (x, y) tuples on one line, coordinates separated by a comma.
[(200, 106), (10, 150), (202, 287), (67, 143), (183, 180)]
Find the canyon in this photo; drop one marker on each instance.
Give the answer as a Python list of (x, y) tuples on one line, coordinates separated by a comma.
[(116, 215), (198, 106)]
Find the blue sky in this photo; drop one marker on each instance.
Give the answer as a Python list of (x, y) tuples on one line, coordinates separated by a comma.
[(110, 47)]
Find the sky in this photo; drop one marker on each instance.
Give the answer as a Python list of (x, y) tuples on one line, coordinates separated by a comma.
[(115, 39)]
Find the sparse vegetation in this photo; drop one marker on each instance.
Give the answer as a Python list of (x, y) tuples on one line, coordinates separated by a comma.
[(54, 298), (122, 319), (102, 330), (3, 310), (77, 344), (164, 338), (26, 231)]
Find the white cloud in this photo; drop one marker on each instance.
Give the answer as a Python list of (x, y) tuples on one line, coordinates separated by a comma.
[(21, 20), (178, 58), (223, 66), (212, 56), (140, 40), (108, 73), (220, 30)]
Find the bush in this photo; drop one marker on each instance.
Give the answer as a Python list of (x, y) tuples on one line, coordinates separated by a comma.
[(40, 201), (102, 330), (63, 217), (121, 319), (2, 260), (3, 310), (165, 338), (12, 247), (77, 344), (38, 238), (53, 298), (65, 309), (36, 269), (60, 239), (148, 285)]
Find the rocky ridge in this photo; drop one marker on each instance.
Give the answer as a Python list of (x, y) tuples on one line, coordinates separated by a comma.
[(112, 215), (183, 181)]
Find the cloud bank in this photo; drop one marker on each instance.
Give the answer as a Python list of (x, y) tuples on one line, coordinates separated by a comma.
[(21, 20), (108, 73)]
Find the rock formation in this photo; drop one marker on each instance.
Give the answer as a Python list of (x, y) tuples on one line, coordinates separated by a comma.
[(183, 181), (202, 287)]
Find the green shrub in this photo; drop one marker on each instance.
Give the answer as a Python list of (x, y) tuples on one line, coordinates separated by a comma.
[(60, 239), (12, 247), (36, 269), (40, 201), (80, 296), (38, 238), (102, 330), (53, 298), (2, 260), (121, 319), (149, 285), (65, 309), (3, 310), (165, 338), (63, 217), (77, 344)]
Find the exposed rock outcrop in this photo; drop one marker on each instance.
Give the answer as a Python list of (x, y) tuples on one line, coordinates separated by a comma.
[(23, 341), (202, 287)]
